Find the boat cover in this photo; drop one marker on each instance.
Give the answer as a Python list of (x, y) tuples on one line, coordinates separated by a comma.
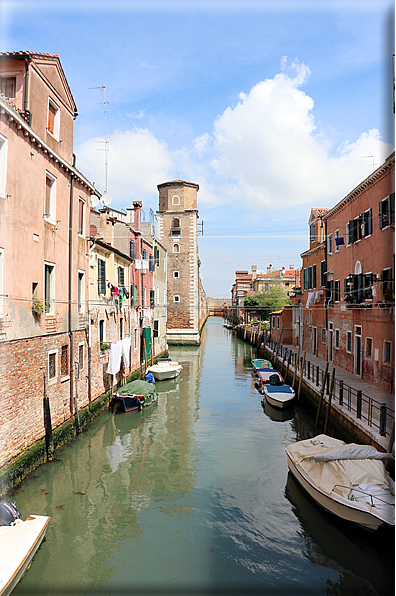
[(353, 453), (137, 387), (278, 389), (337, 475), (266, 373)]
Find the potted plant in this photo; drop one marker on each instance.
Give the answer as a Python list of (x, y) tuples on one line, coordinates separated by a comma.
[(37, 307)]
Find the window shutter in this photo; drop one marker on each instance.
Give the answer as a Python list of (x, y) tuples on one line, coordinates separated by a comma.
[(152, 298), (132, 250), (101, 276), (151, 263), (314, 276), (392, 208), (380, 215)]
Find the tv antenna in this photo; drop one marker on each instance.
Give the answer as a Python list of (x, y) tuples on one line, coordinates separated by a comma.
[(106, 197)]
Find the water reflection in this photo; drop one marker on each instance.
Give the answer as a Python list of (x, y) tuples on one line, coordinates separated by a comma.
[(188, 497)]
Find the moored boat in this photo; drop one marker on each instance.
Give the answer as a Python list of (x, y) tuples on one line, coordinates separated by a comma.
[(258, 364), (134, 396), (350, 481), (278, 396), (165, 369), (19, 541)]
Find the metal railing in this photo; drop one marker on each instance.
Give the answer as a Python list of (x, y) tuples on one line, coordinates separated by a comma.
[(377, 415)]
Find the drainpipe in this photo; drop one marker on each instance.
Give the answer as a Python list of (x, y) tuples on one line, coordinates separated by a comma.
[(89, 329), (25, 107), (71, 365)]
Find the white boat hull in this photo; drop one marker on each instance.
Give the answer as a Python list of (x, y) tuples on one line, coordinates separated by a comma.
[(279, 399), (18, 545), (336, 504), (162, 372)]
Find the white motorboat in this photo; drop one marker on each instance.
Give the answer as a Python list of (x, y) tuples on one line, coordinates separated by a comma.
[(348, 480), (18, 545), (278, 396), (165, 369)]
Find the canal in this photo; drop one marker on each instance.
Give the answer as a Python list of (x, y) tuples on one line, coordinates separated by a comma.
[(192, 497)]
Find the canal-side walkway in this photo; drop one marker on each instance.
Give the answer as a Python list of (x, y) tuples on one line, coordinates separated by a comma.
[(357, 403)]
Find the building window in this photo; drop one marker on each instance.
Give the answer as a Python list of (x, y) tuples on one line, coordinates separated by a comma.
[(312, 233), (347, 234), (323, 336), (121, 277), (152, 298), (386, 276), (336, 237), (101, 276), (277, 322), (52, 365), (80, 291), (273, 322), (337, 291), (387, 211), (176, 298), (81, 216), (155, 329), (50, 198), (176, 222), (156, 255), (322, 274), (151, 263), (81, 357), (337, 339), (8, 87), (65, 360), (3, 165), (49, 288), (176, 248), (144, 297), (349, 342), (121, 328), (175, 274), (135, 341), (387, 352), (367, 223), (175, 233), (330, 244), (53, 119), (101, 331), (175, 200), (369, 348), (132, 250), (134, 297), (313, 276)]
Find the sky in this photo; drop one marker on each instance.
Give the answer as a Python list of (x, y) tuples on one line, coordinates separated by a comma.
[(271, 107)]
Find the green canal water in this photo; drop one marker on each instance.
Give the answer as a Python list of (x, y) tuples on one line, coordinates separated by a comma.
[(192, 497)]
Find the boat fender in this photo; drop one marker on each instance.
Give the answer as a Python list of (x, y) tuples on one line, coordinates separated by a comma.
[(8, 513)]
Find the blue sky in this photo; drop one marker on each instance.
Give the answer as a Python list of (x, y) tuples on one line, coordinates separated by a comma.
[(271, 107)]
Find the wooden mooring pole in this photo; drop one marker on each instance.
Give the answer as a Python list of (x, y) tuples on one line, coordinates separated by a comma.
[(301, 376), (295, 366), (329, 402), (49, 443), (321, 394)]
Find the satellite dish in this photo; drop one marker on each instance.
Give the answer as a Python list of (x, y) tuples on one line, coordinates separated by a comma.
[(93, 230), (94, 201), (105, 200)]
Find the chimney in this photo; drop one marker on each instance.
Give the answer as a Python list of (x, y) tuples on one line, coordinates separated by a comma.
[(137, 206), (291, 267)]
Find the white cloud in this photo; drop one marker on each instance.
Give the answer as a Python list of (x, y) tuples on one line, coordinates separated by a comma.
[(275, 152), (137, 162), (267, 151)]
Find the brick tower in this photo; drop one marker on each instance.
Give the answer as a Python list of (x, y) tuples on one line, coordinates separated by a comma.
[(177, 230)]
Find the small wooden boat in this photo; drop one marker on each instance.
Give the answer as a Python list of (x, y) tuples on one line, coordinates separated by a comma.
[(18, 545), (165, 369), (279, 396), (350, 481), (134, 396), (260, 364)]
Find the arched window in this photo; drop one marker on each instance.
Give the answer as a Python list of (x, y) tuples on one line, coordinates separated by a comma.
[(175, 200), (176, 248), (176, 222)]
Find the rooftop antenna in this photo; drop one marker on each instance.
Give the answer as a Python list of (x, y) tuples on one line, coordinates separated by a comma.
[(105, 199)]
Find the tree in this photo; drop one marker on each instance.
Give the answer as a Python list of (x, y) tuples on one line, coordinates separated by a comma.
[(266, 302)]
